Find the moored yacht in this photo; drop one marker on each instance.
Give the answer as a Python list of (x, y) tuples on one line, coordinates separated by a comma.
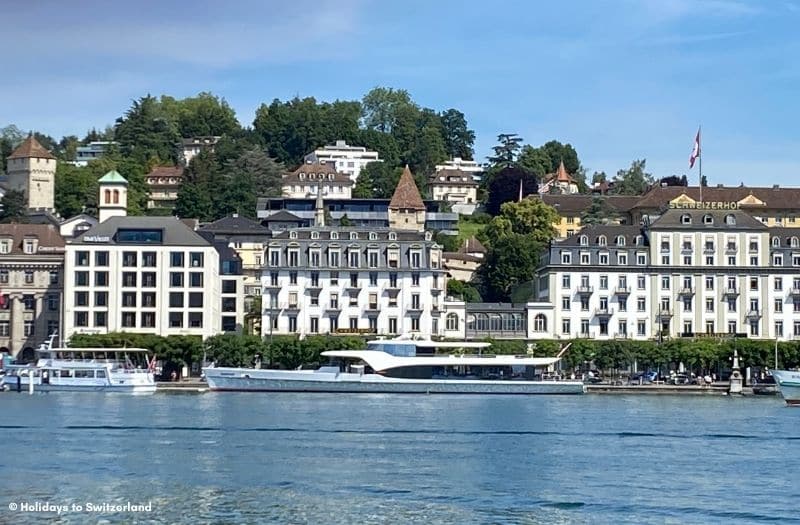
[(404, 365), (124, 370), (788, 382)]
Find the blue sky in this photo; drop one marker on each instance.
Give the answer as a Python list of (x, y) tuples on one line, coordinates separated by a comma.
[(619, 79)]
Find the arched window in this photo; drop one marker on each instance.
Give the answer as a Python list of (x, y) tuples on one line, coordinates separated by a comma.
[(620, 240), (452, 321), (107, 196), (373, 236), (334, 235), (315, 235), (639, 240), (116, 196), (793, 242), (496, 323), (540, 323), (686, 219), (353, 236), (730, 219), (584, 240), (708, 219), (392, 236), (776, 242), (293, 235), (601, 240)]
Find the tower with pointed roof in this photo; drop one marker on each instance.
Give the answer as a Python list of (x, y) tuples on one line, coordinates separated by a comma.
[(406, 209), (32, 170), (112, 200)]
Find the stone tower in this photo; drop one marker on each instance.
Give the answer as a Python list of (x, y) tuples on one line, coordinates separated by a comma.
[(113, 198), (32, 170), (406, 209)]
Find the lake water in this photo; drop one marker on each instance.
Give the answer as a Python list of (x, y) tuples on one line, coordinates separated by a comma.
[(318, 458)]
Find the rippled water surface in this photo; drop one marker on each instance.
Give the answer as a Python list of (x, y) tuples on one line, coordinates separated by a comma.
[(295, 458)]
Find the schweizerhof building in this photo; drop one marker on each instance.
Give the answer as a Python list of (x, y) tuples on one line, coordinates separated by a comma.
[(696, 270)]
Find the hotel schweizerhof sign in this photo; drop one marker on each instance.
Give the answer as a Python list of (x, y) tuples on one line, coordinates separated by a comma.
[(733, 205)]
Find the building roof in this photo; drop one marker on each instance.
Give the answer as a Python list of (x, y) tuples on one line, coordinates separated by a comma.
[(317, 173), (452, 177), (406, 195), (609, 231), (165, 171), (472, 245), (175, 232), (734, 220), (235, 225), (113, 177), (576, 204), (283, 216), (774, 197), (458, 256), (209, 140), (47, 235), (30, 148)]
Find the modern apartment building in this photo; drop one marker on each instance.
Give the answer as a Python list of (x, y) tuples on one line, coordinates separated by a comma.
[(31, 284), (347, 159)]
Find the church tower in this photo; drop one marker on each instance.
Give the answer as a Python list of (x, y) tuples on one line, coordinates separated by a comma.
[(32, 170), (406, 209), (113, 198)]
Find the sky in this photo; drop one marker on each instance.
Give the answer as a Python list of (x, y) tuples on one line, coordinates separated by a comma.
[(618, 79)]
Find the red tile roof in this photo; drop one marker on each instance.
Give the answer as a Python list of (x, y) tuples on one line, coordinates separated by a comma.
[(30, 148), (318, 172), (406, 195), (49, 239), (472, 245)]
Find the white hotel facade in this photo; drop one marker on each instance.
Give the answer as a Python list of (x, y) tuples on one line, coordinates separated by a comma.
[(692, 272), (323, 280)]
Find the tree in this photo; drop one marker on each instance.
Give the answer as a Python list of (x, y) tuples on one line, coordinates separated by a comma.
[(205, 115), (505, 187), (530, 217), (674, 180), (505, 153), (377, 180), (510, 261), (703, 181), (76, 189), (380, 108), (599, 212), (634, 180), (458, 138), (558, 152), (535, 161), (10, 138), (13, 207), (598, 177), (252, 175), (345, 221), (465, 291), (147, 133)]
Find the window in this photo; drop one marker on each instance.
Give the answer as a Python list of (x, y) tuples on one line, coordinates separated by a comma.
[(731, 327), (373, 279), (101, 258), (584, 258), (708, 219), (641, 328), (148, 299), (176, 259), (81, 278), (753, 327), (709, 260), (53, 277), (565, 303), (196, 259), (796, 304), (128, 258), (539, 323), (228, 304), (81, 298), (415, 304), (709, 282), (584, 304), (584, 327), (451, 322), (313, 325), (796, 328), (622, 259), (333, 258), (665, 282), (687, 260), (81, 319), (372, 259), (731, 305), (565, 326), (292, 277), (129, 279), (565, 281), (149, 259), (129, 299), (273, 278), (778, 284), (196, 320), (641, 259), (415, 324), (710, 305), (148, 320), (100, 319), (623, 304), (52, 302), (641, 282), (795, 260), (373, 324), (687, 327), (101, 278), (82, 259), (195, 279), (754, 283), (228, 286), (604, 282), (584, 240), (687, 304), (778, 328), (129, 319), (176, 279), (665, 260), (334, 301), (294, 256), (604, 259), (101, 298), (314, 258), (333, 323), (373, 301), (601, 240), (416, 257), (148, 279), (176, 299), (566, 257), (176, 319), (354, 323), (777, 259), (195, 300), (353, 280), (754, 305), (686, 219)]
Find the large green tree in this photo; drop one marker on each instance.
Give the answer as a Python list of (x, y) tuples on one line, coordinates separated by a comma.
[(458, 138), (505, 186), (13, 208), (511, 260), (506, 151), (531, 217), (634, 180), (377, 180), (380, 108), (148, 133), (599, 212), (76, 189), (204, 115)]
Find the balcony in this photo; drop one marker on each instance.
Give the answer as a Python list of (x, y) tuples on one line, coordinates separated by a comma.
[(795, 291), (664, 314), (414, 309), (585, 290), (271, 286), (622, 290), (730, 248), (603, 312), (686, 291), (333, 308), (753, 314), (708, 248), (686, 248), (372, 308), (435, 291), (730, 292)]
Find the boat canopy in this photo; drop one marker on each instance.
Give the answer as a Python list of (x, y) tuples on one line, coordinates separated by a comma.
[(380, 361)]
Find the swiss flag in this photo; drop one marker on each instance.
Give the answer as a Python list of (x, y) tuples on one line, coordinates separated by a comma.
[(695, 150)]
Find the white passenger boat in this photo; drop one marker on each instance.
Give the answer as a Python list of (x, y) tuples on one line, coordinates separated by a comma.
[(406, 366), (788, 382), (124, 370)]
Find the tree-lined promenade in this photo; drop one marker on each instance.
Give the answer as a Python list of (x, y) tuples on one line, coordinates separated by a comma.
[(289, 352)]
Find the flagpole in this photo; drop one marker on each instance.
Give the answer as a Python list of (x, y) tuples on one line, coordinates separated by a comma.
[(700, 160)]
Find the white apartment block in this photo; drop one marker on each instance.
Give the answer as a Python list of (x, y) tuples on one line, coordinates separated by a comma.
[(150, 275), (468, 166), (317, 178), (326, 280), (347, 159), (690, 273)]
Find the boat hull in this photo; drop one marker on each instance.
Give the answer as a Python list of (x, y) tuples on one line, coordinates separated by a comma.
[(10, 383), (233, 379), (789, 385)]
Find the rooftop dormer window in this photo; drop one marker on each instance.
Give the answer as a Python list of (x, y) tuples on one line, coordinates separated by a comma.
[(776, 242), (584, 240), (5, 246), (601, 240), (373, 236), (686, 219), (353, 236), (334, 235), (730, 219), (708, 219), (392, 236), (793, 242), (293, 235), (620, 240), (315, 235), (302, 176), (29, 246)]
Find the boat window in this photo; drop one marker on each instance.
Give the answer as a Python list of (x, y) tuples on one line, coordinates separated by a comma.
[(84, 373), (100, 373), (66, 373)]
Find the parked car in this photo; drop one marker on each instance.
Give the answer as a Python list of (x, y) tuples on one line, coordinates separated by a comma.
[(682, 379), (644, 378)]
